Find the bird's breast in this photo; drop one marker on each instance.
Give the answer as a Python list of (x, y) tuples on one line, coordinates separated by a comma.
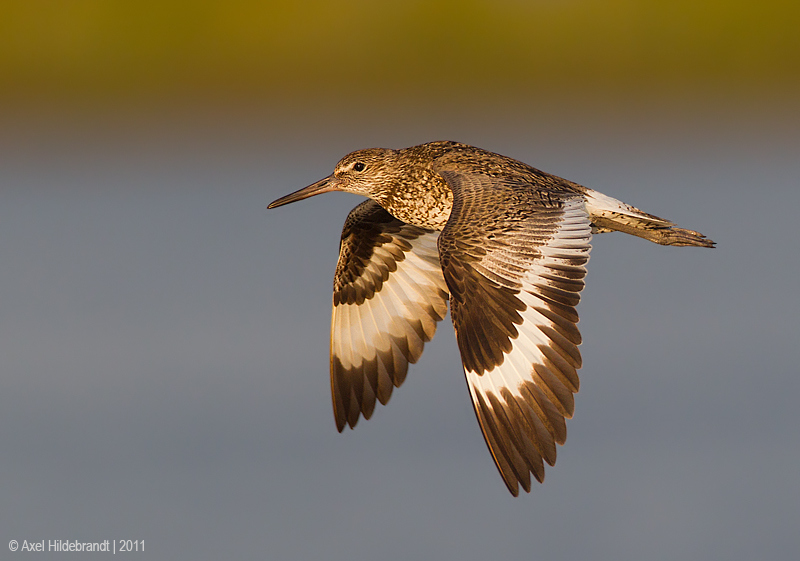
[(425, 204)]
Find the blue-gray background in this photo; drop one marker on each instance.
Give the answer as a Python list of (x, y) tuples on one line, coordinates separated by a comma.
[(164, 339)]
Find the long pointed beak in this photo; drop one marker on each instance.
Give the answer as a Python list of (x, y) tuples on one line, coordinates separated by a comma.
[(321, 186)]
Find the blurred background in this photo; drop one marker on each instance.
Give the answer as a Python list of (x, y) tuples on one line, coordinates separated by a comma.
[(164, 337)]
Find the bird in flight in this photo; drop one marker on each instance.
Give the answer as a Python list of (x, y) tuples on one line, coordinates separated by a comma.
[(506, 245)]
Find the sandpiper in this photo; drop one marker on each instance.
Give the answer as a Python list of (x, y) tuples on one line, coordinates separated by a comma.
[(506, 244)]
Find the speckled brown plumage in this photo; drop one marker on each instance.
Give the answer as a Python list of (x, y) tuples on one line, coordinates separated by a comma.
[(507, 245)]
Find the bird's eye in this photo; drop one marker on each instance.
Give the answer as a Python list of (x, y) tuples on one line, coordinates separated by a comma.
[(358, 166)]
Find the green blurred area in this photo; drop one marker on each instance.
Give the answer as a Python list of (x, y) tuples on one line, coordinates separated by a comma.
[(161, 50)]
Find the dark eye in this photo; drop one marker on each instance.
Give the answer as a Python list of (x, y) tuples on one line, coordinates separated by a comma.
[(358, 166)]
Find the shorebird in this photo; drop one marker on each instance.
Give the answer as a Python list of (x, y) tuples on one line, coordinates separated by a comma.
[(506, 244)]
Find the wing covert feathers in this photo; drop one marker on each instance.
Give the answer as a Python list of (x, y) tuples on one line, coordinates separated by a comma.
[(388, 295)]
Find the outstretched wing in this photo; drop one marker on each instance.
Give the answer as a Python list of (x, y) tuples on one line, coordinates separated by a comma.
[(388, 295), (513, 257)]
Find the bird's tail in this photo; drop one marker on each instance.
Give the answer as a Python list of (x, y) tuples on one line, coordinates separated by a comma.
[(609, 214)]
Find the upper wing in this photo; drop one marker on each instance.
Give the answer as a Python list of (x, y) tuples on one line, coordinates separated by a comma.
[(388, 295), (513, 257)]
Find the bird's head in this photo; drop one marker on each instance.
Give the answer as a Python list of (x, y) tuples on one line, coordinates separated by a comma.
[(365, 172)]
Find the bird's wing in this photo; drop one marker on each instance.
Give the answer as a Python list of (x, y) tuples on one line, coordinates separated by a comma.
[(513, 258), (388, 295)]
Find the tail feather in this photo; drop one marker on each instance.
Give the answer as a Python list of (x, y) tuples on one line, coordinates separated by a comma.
[(609, 214)]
